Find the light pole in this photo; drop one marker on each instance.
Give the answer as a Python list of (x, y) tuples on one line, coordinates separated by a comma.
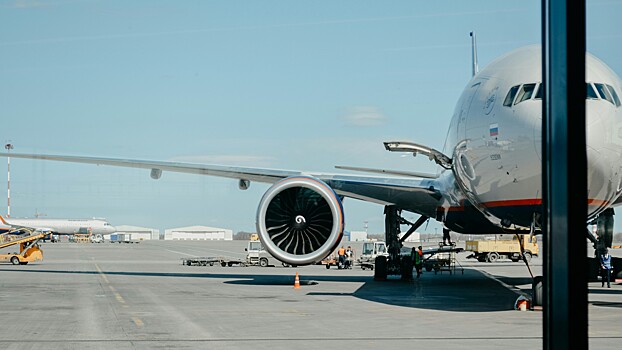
[(8, 148)]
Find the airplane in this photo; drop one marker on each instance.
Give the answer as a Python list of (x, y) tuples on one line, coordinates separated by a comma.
[(58, 226), (488, 179)]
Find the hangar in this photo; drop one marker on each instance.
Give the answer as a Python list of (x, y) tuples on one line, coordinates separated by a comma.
[(199, 233), (138, 233)]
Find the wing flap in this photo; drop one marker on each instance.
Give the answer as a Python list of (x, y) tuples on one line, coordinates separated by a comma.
[(389, 172)]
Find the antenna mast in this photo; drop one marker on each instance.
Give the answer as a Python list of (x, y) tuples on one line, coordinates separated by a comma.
[(474, 53)]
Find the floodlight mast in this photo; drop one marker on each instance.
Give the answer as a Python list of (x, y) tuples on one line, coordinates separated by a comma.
[(8, 148)]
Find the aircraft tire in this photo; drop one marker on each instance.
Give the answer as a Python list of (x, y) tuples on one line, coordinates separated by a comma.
[(492, 257), (537, 294), (380, 272), (605, 227)]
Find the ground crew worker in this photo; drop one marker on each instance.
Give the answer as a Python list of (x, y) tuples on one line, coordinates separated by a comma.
[(349, 257), (341, 253), (418, 260), (446, 237), (605, 268)]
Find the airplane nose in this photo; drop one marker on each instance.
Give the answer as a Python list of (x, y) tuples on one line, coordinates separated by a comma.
[(112, 229), (604, 156)]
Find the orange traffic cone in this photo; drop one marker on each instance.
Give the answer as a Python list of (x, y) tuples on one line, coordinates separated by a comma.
[(297, 281)]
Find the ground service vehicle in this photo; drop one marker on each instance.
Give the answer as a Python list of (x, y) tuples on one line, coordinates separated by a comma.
[(493, 250), (333, 260), (370, 251), (257, 255), (29, 250)]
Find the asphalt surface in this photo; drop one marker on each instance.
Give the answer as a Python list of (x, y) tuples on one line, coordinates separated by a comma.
[(140, 296)]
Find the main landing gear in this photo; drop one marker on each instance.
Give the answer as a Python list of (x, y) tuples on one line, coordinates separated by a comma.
[(604, 230), (602, 241), (395, 263)]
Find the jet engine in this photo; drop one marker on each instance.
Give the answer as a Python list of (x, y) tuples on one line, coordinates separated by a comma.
[(300, 220)]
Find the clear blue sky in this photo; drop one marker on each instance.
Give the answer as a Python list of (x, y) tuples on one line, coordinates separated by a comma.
[(279, 84)]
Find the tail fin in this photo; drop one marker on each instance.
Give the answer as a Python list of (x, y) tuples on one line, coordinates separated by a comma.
[(4, 221), (474, 53)]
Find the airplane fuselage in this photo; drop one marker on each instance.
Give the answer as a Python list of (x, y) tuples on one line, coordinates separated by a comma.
[(65, 226)]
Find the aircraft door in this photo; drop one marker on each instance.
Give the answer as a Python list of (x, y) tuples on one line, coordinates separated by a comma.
[(457, 130), (466, 108)]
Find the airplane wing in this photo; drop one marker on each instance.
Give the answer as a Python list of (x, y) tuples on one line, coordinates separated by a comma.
[(420, 195)]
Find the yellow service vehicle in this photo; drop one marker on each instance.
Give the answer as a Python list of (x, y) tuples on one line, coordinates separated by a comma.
[(29, 250), (493, 250)]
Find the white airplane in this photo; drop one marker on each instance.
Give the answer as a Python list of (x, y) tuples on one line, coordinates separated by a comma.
[(59, 226), (489, 177)]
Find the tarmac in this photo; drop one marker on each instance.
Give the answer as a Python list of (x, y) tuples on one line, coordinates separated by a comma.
[(140, 296)]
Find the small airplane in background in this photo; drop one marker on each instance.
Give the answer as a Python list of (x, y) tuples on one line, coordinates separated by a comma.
[(58, 226)]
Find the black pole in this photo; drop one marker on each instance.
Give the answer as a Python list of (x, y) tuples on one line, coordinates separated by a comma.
[(564, 174)]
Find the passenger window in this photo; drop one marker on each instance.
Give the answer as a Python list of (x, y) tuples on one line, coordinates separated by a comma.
[(525, 93), (510, 96), (603, 92), (614, 94), (591, 94), (540, 92)]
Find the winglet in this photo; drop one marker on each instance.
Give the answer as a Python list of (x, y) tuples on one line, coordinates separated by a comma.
[(4, 221)]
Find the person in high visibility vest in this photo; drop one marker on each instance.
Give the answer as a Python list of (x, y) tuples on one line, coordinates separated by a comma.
[(605, 268), (341, 253), (417, 255)]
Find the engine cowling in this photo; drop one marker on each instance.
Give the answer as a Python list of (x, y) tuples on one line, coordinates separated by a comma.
[(300, 220)]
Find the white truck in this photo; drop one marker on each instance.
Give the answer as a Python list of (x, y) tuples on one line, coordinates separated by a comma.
[(369, 253), (256, 255)]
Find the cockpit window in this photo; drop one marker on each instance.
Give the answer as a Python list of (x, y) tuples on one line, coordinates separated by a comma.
[(525, 93), (603, 92), (591, 93), (540, 92), (614, 94), (510, 96)]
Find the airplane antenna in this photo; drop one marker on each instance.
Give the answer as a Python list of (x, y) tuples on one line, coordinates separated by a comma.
[(474, 53)]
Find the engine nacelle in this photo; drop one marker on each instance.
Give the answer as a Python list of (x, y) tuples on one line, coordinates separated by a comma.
[(300, 220)]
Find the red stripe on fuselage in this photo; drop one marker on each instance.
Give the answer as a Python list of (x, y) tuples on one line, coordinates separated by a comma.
[(524, 202)]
